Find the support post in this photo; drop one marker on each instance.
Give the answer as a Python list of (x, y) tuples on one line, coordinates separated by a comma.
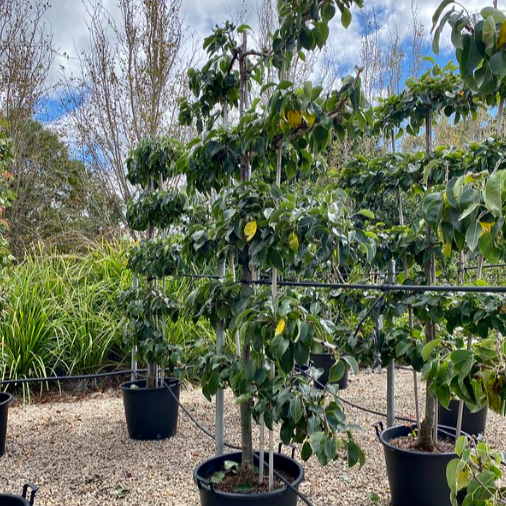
[(220, 342), (133, 366), (391, 365)]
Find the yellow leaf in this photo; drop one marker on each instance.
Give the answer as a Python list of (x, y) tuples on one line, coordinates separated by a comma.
[(447, 249), (280, 327), (250, 230), (293, 242), (486, 227), (309, 118), (294, 118), (502, 35)]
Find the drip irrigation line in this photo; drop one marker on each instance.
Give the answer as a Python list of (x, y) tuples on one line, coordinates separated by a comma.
[(385, 288), (68, 378), (362, 286), (207, 432), (367, 410), (488, 266), (201, 276)]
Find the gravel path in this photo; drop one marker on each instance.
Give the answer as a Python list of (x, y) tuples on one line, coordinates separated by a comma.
[(79, 454)]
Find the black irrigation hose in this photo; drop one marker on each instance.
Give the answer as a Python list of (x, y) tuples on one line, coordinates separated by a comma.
[(367, 410), (385, 288), (488, 266), (361, 286), (66, 378)]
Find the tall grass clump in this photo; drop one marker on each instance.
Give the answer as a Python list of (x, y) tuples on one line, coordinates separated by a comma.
[(65, 316), (64, 313)]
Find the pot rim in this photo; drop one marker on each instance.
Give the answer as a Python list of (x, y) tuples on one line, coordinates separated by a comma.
[(412, 452), (234, 495), (8, 398), (172, 382), (14, 496)]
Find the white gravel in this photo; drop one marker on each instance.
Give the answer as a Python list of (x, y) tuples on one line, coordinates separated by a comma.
[(78, 452)]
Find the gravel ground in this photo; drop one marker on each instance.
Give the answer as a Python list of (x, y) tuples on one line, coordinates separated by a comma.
[(78, 451)]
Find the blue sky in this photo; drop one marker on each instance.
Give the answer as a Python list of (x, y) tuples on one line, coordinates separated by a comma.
[(68, 20)]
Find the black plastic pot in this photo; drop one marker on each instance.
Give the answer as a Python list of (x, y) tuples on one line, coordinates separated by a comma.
[(415, 478), (279, 497), (472, 423), (16, 500), (325, 361), (151, 413), (5, 400)]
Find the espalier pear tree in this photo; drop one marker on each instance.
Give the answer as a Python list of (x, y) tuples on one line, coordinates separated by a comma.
[(150, 166), (255, 136)]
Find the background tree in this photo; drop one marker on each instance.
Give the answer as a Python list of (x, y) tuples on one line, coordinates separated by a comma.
[(129, 84), (60, 203)]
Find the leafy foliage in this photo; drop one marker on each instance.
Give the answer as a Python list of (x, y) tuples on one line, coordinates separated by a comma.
[(475, 476)]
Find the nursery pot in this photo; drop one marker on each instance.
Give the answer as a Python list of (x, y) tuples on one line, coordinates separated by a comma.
[(16, 500), (151, 413), (472, 423), (325, 361), (415, 478), (284, 496), (5, 400)]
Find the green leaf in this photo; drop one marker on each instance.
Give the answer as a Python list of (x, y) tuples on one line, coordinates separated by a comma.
[(243, 28), (276, 260), (460, 445), (346, 17), (402, 348), (307, 39), (355, 454), (278, 347), (428, 169), (497, 64), (295, 409), (230, 465), (218, 477), (306, 451), (320, 134), (367, 213), (439, 29), (373, 496), (497, 15), (337, 371), (469, 210), (492, 194), (451, 471), (328, 12), (316, 439), (473, 235), (351, 362), (330, 448), (488, 248), (488, 35), (429, 348), (439, 10)]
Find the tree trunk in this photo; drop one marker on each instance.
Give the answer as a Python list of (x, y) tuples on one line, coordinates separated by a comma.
[(426, 430)]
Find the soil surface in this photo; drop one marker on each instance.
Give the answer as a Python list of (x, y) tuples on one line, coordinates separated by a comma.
[(76, 449), (409, 443), (232, 483)]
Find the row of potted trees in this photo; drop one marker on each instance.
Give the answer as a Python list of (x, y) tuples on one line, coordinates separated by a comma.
[(261, 227)]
